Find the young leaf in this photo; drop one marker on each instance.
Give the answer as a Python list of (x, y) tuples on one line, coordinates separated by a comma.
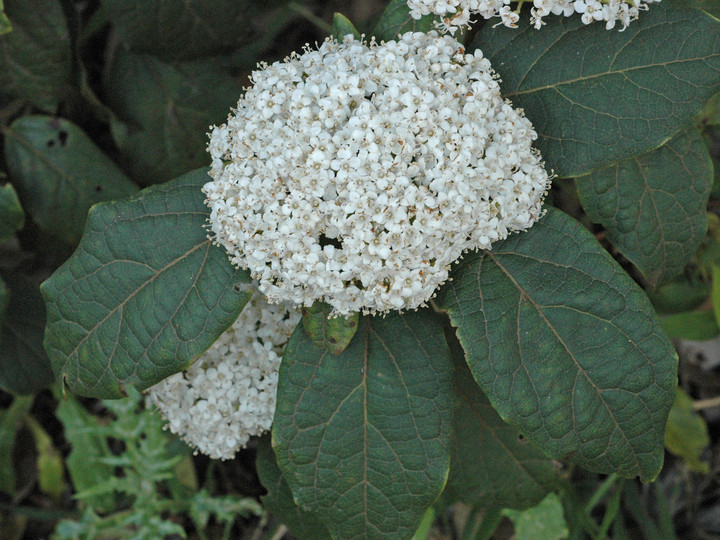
[(60, 173), (687, 433), (331, 333), (144, 294), (697, 325), (35, 58), (567, 347), (5, 25), (622, 94), (49, 462), (12, 215), (166, 110), (653, 205), (491, 464), (363, 438), (183, 30), (342, 27), (24, 366), (546, 520), (396, 20), (279, 499)]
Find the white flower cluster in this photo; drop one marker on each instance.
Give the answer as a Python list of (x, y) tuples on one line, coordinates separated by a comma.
[(357, 173), (228, 394), (457, 13)]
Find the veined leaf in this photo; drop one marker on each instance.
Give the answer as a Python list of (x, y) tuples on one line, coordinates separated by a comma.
[(279, 499), (144, 294), (567, 347), (35, 58), (60, 173), (596, 97), (491, 464), (653, 205), (363, 438)]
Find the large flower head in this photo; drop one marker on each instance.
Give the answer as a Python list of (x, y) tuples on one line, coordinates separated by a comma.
[(357, 173), (228, 394)]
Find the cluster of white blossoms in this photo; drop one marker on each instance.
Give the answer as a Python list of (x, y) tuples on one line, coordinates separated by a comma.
[(357, 173), (458, 13), (228, 394)]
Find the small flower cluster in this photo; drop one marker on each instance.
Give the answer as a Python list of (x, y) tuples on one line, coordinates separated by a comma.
[(228, 394), (357, 173), (457, 13)]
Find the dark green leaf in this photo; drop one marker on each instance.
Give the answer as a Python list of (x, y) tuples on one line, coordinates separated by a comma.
[(491, 464), (88, 448), (363, 438), (596, 97), (279, 499), (653, 205), (24, 366), (183, 30), (166, 110), (698, 325), (331, 333), (567, 347), (711, 6), (36, 58), (60, 173), (342, 27), (679, 295), (396, 20), (10, 420), (687, 433), (4, 299), (144, 294), (12, 216)]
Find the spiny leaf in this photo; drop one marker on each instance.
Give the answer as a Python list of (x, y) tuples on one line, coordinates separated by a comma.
[(567, 347), (144, 294)]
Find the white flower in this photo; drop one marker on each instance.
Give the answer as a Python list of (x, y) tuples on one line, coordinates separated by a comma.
[(383, 164), (457, 13), (228, 394)]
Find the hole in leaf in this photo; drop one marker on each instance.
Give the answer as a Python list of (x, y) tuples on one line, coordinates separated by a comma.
[(50, 143), (63, 137), (98, 189)]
